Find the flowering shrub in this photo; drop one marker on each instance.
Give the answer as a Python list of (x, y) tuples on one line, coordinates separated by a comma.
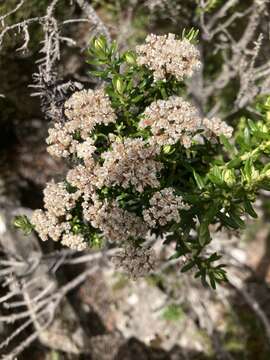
[(145, 162)]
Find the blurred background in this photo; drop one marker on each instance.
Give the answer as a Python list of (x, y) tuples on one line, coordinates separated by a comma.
[(97, 313)]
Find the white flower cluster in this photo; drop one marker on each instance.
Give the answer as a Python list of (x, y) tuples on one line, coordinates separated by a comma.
[(83, 177), (87, 108), (171, 121), (165, 55), (164, 208), (130, 162), (216, 127), (75, 242), (84, 110), (53, 222), (60, 141), (136, 262), (115, 223), (57, 200), (48, 225)]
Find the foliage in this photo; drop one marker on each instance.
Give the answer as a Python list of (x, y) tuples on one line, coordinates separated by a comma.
[(173, 312), (23, 223), (210, 5)]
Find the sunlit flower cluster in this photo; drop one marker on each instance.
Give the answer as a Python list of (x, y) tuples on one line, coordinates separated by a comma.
[(75, 242), (57, 200), (48, 225), (130, 163), (87, 108), (60, 141), (54, 221), (171, 120), (165, 55), (216, 127), (84, 110)]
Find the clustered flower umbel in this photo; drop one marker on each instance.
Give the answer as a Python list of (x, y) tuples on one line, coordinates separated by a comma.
[(171, 120), (165, 55), (136, 262), (164, 208), (57, 200), (216, 127), (115, 223), (84, 110), (130, 162), (126, 163)]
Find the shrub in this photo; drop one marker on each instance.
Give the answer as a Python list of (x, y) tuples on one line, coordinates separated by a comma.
[(144, 161)]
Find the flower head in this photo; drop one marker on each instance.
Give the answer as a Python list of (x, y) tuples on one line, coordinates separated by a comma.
[(85, 150), (116, 224), (136, 262), (57, 200), (48, 225), (60, 141), (87, 108), (165, 55), (130, 162), (216, 127), (170, 121), (82, 177), (164, 208), (75, 242)]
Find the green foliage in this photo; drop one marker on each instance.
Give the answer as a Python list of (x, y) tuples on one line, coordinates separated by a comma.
[(210, 5), (22, 222), (173, 312), (191, 35), (55, 355)]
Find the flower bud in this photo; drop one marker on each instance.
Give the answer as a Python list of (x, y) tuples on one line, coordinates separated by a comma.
[(119, 85), (167, 149), (100, 43), (229, 177)]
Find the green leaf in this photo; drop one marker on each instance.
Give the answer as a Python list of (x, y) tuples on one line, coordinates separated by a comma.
[(247, 135), (252, 125), (176, 255), (249, 209), (100, 43), (137, 98), (118, 84), (227, 221), (199, 180), (204, 234), (248, 168), (191, 35), (188, 266), (265, 185), (214, 257), (238, 221), (215, 176), (228, 177), (234, 163), (130, 57), (228, 146), (212, 281)]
